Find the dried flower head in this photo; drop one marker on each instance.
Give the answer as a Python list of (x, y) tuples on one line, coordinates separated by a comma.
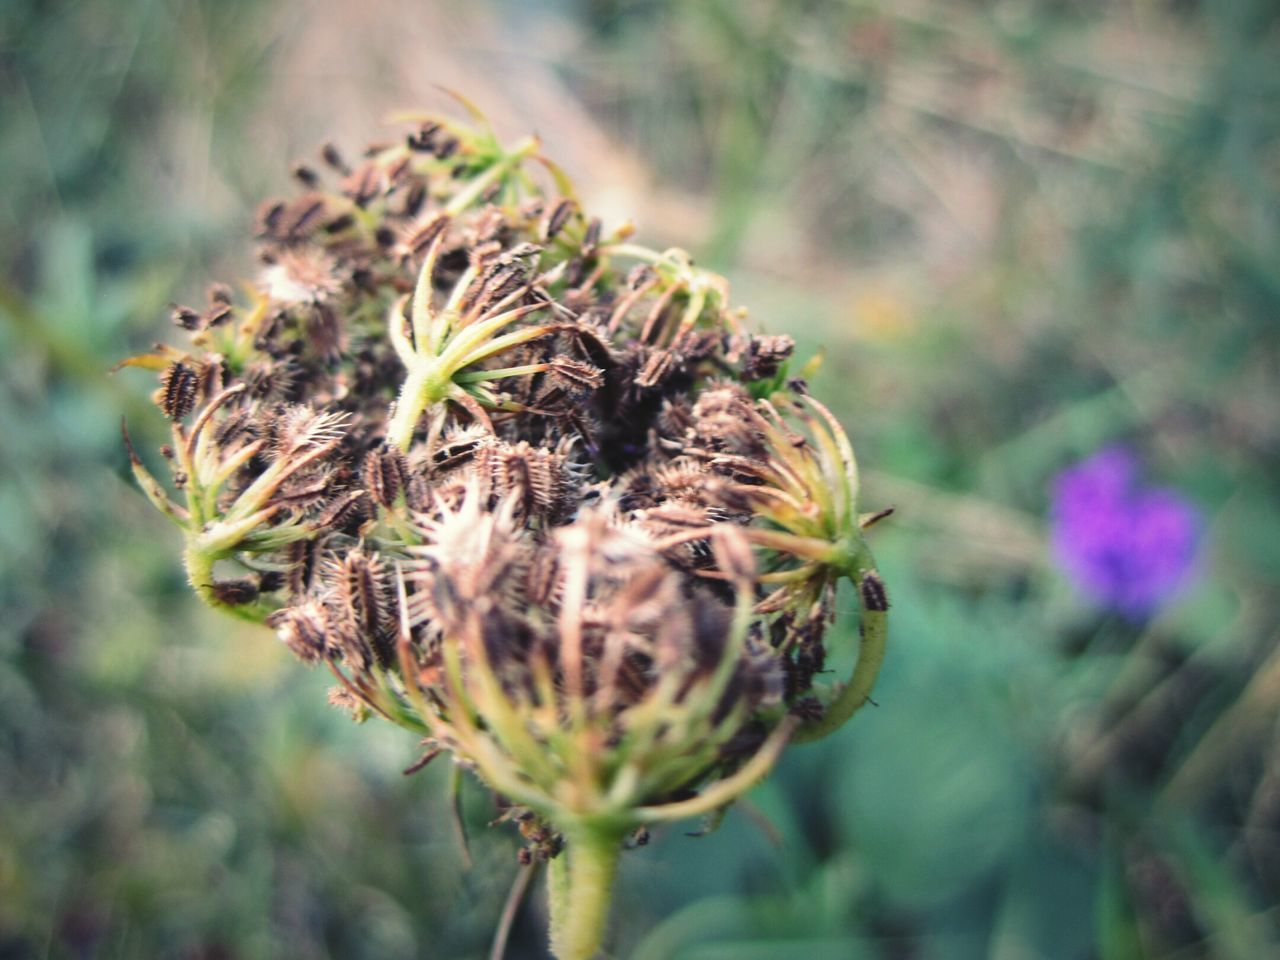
[(525, 488)]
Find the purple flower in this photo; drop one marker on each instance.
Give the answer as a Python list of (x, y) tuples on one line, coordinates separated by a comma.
[(1127, 546)]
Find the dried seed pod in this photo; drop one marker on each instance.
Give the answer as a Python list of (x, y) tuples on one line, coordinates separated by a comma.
[(345, 512), (299, 217), (305, 175), (333, 157), (423, 139), (360, 593), (178, 386), (575, 374), (268, 217), (366, 183), (304, 629), (383, 473), (300, 558), (418, 239), (185, 317), (874, 597), (235, 593), (764, 356), (557, 217)]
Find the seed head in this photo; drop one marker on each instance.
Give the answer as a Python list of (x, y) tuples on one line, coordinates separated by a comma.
[(526, 488)]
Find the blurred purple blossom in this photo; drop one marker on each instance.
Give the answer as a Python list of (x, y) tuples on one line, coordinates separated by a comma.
[(1127, 546)]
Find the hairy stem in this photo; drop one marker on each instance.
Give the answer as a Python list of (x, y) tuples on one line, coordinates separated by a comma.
[(474, 190), (420, 390), (854, 694), (579, 887), (199, 565)]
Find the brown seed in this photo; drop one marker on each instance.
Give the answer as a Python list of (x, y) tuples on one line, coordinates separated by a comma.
[(178, 391), (267, 220), (362, 591), (270, 581), (235, 593), (397, 171), (874, 598), (301, 557), (575, 373), (268, 381), (413, 199), (422, 235), (765, 356), (298, 217), (333, 158), (305, 175), (339, 223), (184, 317), (446, 148), (659, 365), (217, 315), (591, 239), (498, 283), (344, 513), (542, 577), (212, 376), (383, 474), (423, 139), (303, 491), (233, 426), (324, 331), (303, 629), (456, 450), (557, 218), (365, 184), (344, 699), (590, 342)]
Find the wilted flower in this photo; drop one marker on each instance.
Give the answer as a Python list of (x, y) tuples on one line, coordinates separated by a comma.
[(524, 488), (1127, 546)]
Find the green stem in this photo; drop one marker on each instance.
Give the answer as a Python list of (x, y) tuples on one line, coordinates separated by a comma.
[(857, 691), (421, 389), (473, 191), (637, 252), (579, 888), (199, 565)]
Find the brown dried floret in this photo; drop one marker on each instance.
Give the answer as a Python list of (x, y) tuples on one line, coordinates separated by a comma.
[(360, 596), (557, 217), (384, 474), (765, 355), (178, 386), (236, 592), (304, 629)]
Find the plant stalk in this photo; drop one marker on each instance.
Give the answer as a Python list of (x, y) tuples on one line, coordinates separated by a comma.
[(579, 890), (853, 695)]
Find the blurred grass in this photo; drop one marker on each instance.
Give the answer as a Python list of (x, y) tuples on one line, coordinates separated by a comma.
[(1018, 230)]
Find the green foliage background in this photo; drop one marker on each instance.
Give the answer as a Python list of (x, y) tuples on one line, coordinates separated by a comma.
[(1018, 230)]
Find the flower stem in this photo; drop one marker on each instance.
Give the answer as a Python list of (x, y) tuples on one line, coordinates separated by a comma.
[(421, 389), (503, 166), (199, 565), (579, 888), (857, 691)]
